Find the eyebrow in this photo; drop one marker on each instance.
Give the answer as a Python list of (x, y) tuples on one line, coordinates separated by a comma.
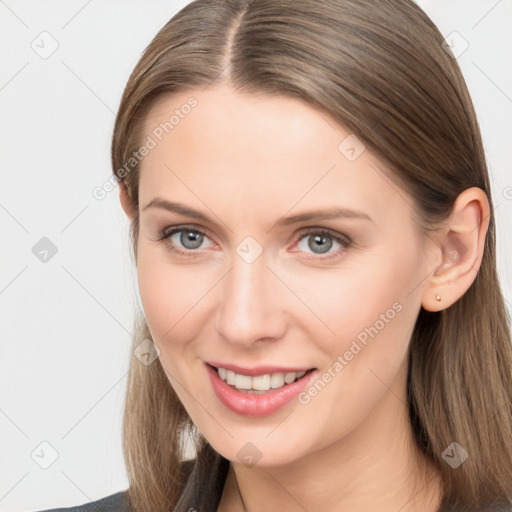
[(321, 214)]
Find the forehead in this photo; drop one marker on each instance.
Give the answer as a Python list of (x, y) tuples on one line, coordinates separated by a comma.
[(258, 152), (241, 121)]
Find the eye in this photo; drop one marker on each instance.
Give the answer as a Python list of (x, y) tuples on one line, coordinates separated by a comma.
[(320, 242), (184, 240)]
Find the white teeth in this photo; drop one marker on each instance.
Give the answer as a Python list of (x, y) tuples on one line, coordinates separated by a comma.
[(289, 377), (276, 380), (243, 382), (259, 382), (230, 377)]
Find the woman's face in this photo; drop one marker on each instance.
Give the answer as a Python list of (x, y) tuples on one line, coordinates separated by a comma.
[(296, 252)]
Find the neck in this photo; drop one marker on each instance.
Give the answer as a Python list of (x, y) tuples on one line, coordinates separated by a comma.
[(377, 466)]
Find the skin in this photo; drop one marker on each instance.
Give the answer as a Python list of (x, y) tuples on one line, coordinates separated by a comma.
[(247, 161)]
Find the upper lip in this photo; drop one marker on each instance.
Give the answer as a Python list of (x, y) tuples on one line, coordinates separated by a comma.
[(258, 370)]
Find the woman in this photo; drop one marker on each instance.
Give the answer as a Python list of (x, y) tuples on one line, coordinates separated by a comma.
[(314, 236)]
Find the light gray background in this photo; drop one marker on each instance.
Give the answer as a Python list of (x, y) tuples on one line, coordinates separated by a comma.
[(66, 324)]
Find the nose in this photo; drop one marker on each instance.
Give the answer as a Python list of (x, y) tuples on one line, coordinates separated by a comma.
[(250, 309)]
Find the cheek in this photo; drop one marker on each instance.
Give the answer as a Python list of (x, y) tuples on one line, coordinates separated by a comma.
[(366, 301), (372, 311), (171, 296)]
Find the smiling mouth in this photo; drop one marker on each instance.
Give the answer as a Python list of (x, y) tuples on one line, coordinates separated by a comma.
[(259, 384)]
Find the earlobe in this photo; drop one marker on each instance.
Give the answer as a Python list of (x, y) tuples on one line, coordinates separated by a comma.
[(461, 245), (126, 201)]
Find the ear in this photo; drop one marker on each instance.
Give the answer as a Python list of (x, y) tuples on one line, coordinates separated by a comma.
[(459, 248), (126, 202)]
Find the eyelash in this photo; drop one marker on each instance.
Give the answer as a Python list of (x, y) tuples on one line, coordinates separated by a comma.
[(343, 240)]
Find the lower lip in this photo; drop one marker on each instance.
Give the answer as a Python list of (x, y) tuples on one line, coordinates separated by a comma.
[(257, 405)]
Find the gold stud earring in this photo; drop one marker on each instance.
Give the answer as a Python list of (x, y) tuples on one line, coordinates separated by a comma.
[(438, 298)]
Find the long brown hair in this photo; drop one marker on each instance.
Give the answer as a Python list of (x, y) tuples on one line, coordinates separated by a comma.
[(380, 70)]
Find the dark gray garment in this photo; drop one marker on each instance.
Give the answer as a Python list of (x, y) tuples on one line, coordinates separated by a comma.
[(112, 503)]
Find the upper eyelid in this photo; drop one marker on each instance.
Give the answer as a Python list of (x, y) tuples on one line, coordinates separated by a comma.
[(167, 232)]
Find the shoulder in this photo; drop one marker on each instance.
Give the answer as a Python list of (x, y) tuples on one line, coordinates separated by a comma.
[(118, 502), (113, 503)]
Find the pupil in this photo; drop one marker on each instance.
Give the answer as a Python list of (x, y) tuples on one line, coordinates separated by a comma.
[(324, 243), (191, 239)]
